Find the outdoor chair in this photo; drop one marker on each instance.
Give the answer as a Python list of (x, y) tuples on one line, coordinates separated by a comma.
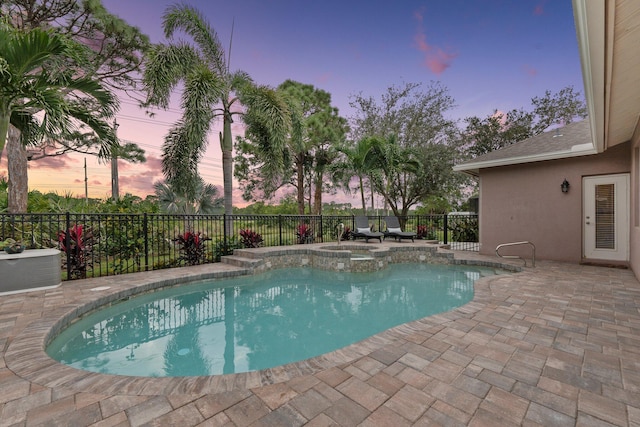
[(363, 230), (394, 230)]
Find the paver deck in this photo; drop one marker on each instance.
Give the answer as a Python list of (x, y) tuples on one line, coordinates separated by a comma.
[(554, 345)]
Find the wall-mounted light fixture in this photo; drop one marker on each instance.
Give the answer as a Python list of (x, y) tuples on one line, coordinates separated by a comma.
[(565, 186)]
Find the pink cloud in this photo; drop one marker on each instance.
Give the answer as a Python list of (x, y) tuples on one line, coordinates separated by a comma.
[(501, 116), (56, 162), (237, 196), (324, 77), (529, 70), (92, 182), (141, 183), (237, 128), (435, 58), (539, 9), (439, 61), (154, 163), (124, 165), (419, 16), (151, 162)]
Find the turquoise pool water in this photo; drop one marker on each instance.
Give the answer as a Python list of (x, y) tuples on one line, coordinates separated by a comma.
[(257, 322)]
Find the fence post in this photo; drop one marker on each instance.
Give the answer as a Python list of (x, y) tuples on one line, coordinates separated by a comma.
[(446, 229), (321, 229), (145, 230), (279, 229), (67, 245), (224, 231)]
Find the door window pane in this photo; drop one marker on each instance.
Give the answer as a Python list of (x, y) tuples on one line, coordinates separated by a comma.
[(605, 217)]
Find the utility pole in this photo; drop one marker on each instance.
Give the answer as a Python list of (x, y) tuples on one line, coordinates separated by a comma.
[(115, 191), (86, 187)]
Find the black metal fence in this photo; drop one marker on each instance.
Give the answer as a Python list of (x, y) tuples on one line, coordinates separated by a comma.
[(95, 245)]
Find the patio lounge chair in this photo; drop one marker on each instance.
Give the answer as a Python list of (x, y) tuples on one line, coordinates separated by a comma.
[(363, 230), (394, 230)]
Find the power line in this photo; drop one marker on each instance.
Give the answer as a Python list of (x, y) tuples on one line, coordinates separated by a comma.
[(158, 151), (144, 120), (209, 169), (169, 109)]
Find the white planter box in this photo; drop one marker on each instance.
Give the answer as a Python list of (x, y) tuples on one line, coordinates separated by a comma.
[(33, 269)]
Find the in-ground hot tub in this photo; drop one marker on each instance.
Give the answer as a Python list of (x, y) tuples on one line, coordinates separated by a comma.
[(347, 257), (33, 269), (359, 258)]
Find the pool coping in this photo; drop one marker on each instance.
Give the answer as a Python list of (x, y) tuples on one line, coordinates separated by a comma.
[(27, 358)]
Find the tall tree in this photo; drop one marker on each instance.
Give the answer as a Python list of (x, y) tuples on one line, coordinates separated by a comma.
[(259, 180), (115, 47), (357, 161), (499, 130), (307, 101), (32, 81), (561, 108), (112, 58), (211, 90), (310, 149), (393, 169), (415, 143), (326, 131), (17, 169)]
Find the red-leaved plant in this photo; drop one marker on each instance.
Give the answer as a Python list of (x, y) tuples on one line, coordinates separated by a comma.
[(192, 247), (250, 239), (304, 234), (424, 232), (78, 248), (346, 234)]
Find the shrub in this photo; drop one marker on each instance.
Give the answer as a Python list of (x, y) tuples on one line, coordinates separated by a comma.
[(222, 248), (166, 264), (192, 247), (425, 232), (125, 243), (304, 234), (463, 229), (346, 234), (250, 239), (77, 244)]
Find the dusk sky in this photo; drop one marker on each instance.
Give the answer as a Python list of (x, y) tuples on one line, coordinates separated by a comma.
[(489, 54)]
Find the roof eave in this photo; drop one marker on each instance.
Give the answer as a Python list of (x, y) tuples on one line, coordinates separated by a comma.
[(589, 17), (473, 168)]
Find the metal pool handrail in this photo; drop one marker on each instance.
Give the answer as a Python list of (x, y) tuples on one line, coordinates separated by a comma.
[(533, 252)]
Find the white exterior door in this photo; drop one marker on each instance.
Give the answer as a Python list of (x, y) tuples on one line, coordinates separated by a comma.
[(606, 217)]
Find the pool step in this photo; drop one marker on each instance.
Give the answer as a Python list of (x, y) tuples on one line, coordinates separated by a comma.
[(239, 261)]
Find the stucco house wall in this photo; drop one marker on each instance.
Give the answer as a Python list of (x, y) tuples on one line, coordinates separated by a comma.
[(524, 202), (634, 229)]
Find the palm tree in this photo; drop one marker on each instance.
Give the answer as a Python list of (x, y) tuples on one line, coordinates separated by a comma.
[(357, 162), (392, 169), (30, 84), (206, 200), (210, 91)]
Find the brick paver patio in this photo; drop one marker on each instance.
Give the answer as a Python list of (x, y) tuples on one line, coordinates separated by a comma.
[(554, 345)]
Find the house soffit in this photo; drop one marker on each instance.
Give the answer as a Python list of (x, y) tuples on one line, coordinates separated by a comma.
[(624, 70), (608, 33)]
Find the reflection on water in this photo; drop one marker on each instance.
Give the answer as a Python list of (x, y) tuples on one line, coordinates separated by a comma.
[(256, 322)]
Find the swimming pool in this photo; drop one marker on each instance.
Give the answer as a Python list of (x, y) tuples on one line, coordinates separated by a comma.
[(256, 322)]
